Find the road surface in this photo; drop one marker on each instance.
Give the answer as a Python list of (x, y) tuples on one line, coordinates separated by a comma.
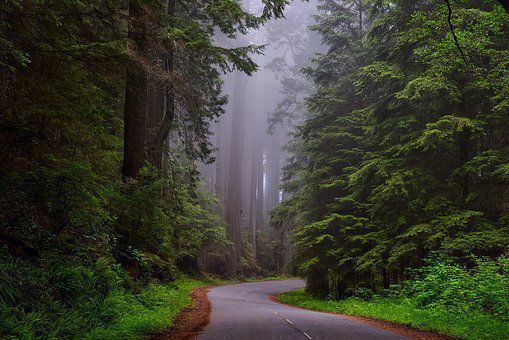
[(244, 311)]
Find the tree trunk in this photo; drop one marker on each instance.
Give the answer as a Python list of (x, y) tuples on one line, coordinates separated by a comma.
[(274, 171), (234, 182), (256, 168), (464, 152), (135, 112)]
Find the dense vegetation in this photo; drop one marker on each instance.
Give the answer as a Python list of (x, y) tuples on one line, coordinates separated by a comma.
[(445, 298), (104, 107), (404, 146), (400, 154)]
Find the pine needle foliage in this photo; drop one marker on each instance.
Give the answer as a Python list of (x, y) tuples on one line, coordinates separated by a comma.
[(404, 145)]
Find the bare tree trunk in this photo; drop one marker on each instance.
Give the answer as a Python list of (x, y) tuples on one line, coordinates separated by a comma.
[(256, 163), (234, 183), (260, 192), (136, 96), (274, 172), (361, 19)]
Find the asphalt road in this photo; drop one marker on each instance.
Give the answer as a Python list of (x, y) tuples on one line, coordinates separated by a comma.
[(244, 311)]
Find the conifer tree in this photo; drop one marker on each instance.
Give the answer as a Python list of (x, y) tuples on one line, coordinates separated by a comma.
[(404, 144)]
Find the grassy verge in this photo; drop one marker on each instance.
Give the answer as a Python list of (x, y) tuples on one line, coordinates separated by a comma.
[(465, 326), (269, 278), (153, 310), (150, 312)]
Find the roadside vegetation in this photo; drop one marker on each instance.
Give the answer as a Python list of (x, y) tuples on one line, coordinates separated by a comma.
[(400, 150), (100, 301), (401, 154), (105, 111), (150, 312), (444, 297)]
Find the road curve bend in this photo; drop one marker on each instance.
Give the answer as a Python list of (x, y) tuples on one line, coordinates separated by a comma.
[(244, 311)]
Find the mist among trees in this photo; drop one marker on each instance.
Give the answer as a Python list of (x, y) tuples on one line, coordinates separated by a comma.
[(362, 145)]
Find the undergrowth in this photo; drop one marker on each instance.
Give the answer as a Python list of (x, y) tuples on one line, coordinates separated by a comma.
[(444, 297), (57, 299)]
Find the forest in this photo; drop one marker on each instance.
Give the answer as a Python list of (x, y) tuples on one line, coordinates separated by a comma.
[(150, 147)]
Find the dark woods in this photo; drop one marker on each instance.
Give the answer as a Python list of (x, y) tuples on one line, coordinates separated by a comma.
[(403, 150), (105, 107), (399, 151)]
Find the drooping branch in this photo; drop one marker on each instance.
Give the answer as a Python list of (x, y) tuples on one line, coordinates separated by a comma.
[(455, 37)]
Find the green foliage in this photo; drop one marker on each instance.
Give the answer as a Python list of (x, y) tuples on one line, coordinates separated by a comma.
[(56, 298), (64, 208), (444, 297), (150, 312), (446, 285), (403, 148), (464, 326)]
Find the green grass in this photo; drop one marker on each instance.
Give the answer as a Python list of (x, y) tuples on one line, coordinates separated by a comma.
[(465, 326), (154, 310), (97, 301), (150, 312), (269, 278)]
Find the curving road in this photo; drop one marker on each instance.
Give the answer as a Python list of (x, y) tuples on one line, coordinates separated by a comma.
[(244, 311)]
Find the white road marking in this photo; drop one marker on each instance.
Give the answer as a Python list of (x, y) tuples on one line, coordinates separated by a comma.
[(295, 327)]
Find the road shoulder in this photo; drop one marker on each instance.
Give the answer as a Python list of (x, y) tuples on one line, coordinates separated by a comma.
[(400, 329), (192, 319)]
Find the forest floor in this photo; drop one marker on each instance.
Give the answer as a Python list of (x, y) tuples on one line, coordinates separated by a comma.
[(404, 318)]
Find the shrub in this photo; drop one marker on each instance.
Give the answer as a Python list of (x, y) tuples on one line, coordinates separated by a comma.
[(450, 286)]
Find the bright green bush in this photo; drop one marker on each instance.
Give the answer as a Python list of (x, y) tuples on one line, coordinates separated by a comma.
[(443, 296), (447, 285)]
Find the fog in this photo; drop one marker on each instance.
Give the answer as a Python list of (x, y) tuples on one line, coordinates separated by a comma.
[(250, 137)]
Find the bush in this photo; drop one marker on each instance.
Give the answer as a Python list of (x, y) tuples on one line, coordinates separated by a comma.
[(450, 286)]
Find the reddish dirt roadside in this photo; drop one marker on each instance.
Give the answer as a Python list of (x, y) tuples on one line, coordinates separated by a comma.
[(406, 331), (192, 319)]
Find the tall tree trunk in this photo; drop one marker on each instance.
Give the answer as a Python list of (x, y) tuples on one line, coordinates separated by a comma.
[(234, 182), (135, 113), (274, 171), (361, 19), (464, 156), (260, 192), (256, 167)]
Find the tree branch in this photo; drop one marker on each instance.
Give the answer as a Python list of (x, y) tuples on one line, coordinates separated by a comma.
[(451, 26)]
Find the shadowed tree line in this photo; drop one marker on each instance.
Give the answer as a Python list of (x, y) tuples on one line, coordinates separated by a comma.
[(402, 150), (105, 109)]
